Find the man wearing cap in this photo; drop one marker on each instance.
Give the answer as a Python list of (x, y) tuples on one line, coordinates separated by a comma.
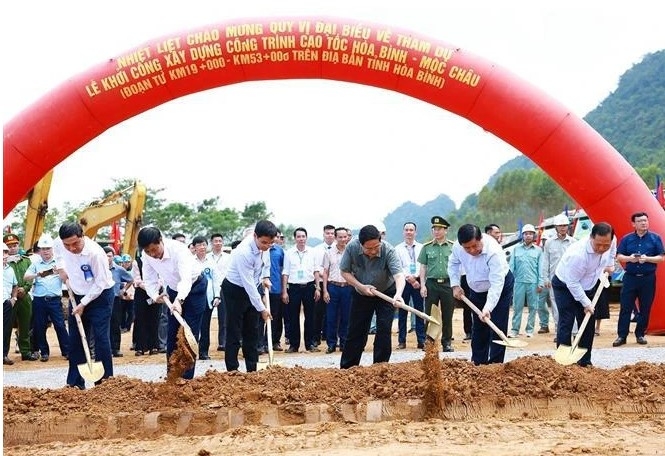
[(84, 267), (23, 308), (435, 283), (525, 264), (9, 290), (121, 277), (552, 252), (47, 299)]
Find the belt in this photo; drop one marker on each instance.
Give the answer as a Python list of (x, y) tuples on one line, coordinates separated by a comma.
[(49, 297), (301, 285), (639, 275), (338, 284), (439, 280)]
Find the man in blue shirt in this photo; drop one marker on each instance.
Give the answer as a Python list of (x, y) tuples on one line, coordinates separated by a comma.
[(640, 251), (47, 299)]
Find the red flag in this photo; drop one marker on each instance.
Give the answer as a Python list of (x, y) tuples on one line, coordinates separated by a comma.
[(115, 237), (660, 196), (540, 228)]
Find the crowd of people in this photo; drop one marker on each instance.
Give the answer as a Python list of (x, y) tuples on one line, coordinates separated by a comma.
[(345, 288)]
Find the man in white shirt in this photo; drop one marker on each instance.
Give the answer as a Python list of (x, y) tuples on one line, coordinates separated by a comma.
[(490, 285), (83, 264), (575, 282), (186, 285), (408, 252), (248, 270), (221, 260), (301, 289)]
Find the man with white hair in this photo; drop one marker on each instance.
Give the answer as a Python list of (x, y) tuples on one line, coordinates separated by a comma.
[(47, 299), (552, 252)]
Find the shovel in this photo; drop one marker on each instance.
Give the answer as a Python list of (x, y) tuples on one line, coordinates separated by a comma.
[(271, 354), (570, 355), (512, 343), (434, 328), (90, 371), (192, 344)]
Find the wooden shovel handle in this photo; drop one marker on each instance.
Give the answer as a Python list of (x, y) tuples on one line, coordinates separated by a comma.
[(401, 305), (489, 322), (79, 324), (268, 323), (603, 284)]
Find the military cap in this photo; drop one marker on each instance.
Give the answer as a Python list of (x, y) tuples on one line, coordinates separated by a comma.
[(439, 221), (10, 238)]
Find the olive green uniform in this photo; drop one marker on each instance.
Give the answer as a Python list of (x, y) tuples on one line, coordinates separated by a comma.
[(434, 257), (22, 311)]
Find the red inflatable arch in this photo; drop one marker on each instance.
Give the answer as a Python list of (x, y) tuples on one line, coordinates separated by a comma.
[(563, 145)]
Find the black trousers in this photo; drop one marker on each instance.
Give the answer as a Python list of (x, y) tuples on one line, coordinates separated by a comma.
[(146, 321), (242, 321)]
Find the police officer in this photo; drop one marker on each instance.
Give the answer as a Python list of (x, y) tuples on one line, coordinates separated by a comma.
[(435, 283), (22, 311)]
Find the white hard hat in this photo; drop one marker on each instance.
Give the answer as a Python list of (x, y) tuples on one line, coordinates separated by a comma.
[(560, 220), (4, 247), (528, 228), (45, 241)]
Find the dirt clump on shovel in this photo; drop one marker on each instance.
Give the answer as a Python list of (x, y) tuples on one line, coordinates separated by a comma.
[(182, 358)]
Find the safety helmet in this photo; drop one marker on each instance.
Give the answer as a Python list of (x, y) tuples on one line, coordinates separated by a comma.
[(528, 228), (560, 220)]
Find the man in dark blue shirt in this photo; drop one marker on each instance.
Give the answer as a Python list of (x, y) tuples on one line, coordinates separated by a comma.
[(640, 251)]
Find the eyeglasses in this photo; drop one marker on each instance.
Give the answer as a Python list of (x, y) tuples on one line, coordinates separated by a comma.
[(281, 237)]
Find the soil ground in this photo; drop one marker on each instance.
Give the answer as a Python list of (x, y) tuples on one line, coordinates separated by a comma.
[(531, 405)]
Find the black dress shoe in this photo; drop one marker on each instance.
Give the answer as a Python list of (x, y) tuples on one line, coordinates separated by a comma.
[(204, 356), (448, 348), (619, 341), (277, 347), (330, 350), (117, 354), (161, 350), (642, 340), (44, 358), (221, 348), (29, 357), (7, 361), (291, 350), (153, 351), (401, 346), (313, 349), (421, 345), (138, 352)]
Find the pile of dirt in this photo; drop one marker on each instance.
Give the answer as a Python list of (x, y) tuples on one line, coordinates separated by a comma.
[(453, 381)]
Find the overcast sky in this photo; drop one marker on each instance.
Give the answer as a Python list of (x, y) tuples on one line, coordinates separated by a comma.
[(575, 53)]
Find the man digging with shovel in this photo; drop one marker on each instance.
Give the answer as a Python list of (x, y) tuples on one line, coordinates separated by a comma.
[(84, 267), (491, 289), (171, 262), (575, 281)]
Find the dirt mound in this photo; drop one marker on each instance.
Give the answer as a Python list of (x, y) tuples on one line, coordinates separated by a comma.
[(461, 381)]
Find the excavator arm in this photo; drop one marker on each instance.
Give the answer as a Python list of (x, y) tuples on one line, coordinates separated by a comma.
[(114, 207), (35, 216)]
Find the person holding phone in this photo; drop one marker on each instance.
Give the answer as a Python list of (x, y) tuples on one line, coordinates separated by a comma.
[(47, 300), (640, 251)]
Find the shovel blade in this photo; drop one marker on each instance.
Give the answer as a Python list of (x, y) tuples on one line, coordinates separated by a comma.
[(566, 355), (511, 343), (91, 372), (434, 330)]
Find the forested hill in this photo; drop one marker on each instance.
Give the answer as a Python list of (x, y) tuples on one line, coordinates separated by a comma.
[(632, 119)]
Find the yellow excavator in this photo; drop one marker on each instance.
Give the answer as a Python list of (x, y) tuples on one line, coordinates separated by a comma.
[(113, 208), (99, 213), (36, 211)]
